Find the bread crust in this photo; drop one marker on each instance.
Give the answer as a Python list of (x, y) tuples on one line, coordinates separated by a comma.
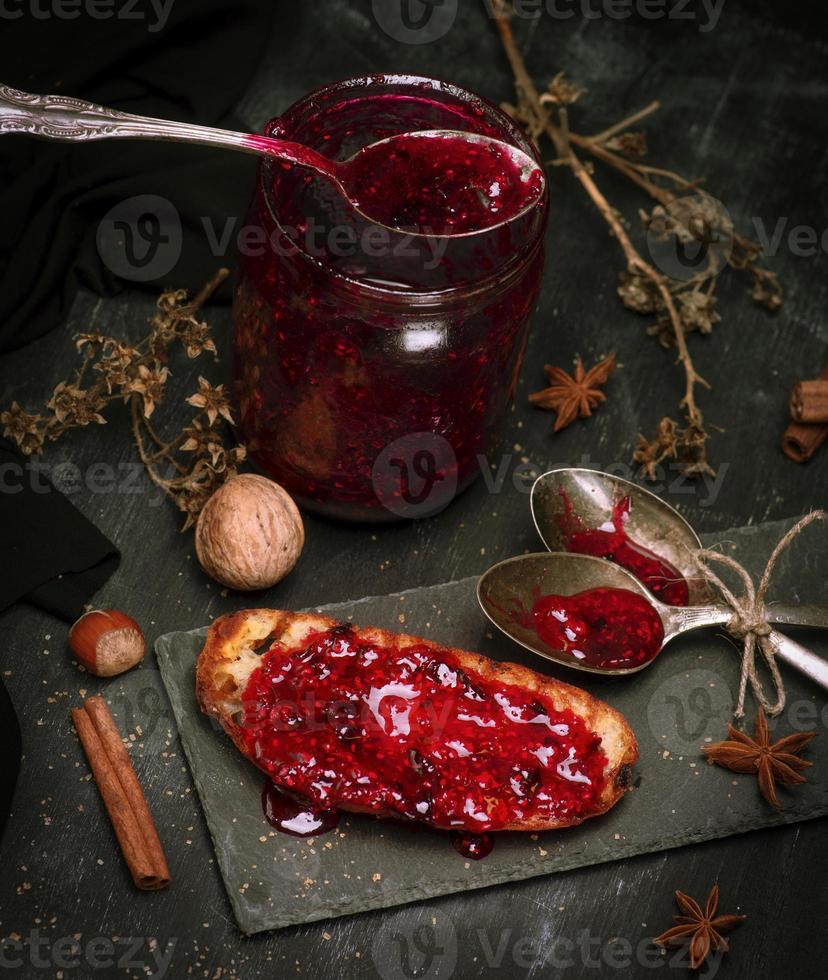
[(230, 656)]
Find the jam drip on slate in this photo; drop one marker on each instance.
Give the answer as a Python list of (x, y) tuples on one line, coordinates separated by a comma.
[(472, 846), (610, 541), (346, 722), (293, 817), (441, 185), (610, 628)]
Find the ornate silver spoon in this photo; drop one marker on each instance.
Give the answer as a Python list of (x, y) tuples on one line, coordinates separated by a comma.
[(508, 592), (59, 117), (571, 496)]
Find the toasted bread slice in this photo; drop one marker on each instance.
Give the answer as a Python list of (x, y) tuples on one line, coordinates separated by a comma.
[(236, 642)]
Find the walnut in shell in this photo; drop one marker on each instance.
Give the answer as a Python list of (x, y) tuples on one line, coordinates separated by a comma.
[(249, 534)]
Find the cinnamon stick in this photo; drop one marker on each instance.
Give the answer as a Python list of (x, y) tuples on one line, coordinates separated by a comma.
[(809, 401), (122, 795), (801, 440)]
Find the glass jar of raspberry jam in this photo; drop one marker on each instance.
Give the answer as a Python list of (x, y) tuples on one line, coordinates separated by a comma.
[(374, 366)]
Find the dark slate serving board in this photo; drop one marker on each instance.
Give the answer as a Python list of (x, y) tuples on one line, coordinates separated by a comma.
[(683, 700)]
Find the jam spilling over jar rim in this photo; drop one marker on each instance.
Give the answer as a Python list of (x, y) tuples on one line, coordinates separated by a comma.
[(610, 540), (610, 629), (405, 731)]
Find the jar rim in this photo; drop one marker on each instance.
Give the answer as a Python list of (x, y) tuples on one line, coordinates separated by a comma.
[(411, 297)]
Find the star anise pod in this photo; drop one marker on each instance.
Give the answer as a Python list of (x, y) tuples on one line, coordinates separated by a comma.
[(771, 762), (574, 396), (701, 930)]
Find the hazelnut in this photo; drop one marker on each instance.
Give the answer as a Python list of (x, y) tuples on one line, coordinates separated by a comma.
[(107, 642), (249, 534)]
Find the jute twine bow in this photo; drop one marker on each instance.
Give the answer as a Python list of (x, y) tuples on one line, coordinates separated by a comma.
[(749, 623)]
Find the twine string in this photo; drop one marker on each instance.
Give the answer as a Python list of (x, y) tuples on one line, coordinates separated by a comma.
[(749, 623)]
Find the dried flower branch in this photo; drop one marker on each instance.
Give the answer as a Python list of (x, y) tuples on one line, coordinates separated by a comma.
[(683, 212), (138, 374)]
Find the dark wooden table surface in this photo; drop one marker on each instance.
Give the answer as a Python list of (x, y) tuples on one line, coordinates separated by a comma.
[(744, 104)]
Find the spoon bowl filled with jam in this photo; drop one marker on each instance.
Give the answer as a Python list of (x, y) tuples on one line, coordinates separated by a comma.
[(588, 512), (584, 612)]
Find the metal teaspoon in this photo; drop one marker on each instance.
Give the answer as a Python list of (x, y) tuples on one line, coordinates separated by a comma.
[(517, 582), (651, 522), (59, 117)]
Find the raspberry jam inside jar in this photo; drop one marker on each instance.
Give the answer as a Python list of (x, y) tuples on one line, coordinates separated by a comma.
[(374, 365)]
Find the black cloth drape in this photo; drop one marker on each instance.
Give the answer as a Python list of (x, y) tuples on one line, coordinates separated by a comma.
[(188, 60), (193, 66), (50, 556)]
